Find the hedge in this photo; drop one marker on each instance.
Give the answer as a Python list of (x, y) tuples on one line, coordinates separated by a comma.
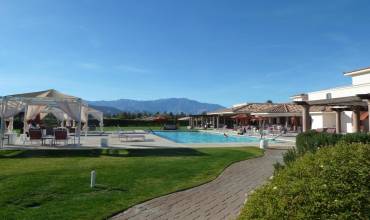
[(332, 183), (130, 122), (312, 141), (113, 122)]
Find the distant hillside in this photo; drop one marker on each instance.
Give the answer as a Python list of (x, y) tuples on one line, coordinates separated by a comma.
[(175, 105), (106, 109)]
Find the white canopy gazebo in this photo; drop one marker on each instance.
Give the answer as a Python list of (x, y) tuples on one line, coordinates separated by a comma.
[(63, 107)]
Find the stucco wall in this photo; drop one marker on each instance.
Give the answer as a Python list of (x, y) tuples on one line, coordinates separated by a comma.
[(327, 120), (361, 79), (340, 92), (346, 122)]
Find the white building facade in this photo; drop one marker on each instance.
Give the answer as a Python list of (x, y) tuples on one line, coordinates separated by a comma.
[(349, 105)]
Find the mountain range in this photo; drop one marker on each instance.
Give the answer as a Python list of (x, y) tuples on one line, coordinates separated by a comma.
[(174, 105)]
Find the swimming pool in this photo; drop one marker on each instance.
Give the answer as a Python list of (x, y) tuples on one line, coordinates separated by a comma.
[(188, 137)]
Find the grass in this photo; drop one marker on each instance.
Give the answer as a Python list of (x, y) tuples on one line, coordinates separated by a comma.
[(43, 184)]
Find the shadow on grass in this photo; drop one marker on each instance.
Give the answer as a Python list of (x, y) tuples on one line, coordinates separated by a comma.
[(169, 152)]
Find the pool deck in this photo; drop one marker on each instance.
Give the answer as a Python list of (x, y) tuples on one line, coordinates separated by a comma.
[(151, 141)]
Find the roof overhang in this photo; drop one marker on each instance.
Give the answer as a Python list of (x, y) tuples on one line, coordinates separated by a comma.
[(357, 100), (282, 114), (358, 72), (221, 113)]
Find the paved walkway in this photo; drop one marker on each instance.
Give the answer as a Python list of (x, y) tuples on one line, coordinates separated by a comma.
[(222, 198)]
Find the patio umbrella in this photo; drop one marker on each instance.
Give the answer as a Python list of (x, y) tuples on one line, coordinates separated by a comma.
[(160, 118)]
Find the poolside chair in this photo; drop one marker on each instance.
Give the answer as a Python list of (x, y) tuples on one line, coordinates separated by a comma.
[(61, 134), (128, 137), (35, 135), (331, 130)]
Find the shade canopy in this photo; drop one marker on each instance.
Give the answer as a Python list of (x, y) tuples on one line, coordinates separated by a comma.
[(63, 107)]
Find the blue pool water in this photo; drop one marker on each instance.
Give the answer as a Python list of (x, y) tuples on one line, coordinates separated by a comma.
[(203, 137)]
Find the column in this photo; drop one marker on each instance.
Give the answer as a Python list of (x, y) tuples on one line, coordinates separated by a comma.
[(213, 122), (356, 120), (338, 121), (218, 121), (306, 124)]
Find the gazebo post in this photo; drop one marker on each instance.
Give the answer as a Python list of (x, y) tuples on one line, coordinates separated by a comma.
[(4, 107), (25, 119), (79, 123)]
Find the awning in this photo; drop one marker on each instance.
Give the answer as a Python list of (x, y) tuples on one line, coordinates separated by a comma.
[(184, 119), (240, 116)]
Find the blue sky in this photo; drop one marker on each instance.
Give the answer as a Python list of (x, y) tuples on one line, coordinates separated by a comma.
[(219, 51)]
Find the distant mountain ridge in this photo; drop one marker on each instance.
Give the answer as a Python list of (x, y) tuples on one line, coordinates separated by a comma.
[(174, 105)]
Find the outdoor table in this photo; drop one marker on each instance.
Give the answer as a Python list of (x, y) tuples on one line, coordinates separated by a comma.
[(11, 137), (48, 137)]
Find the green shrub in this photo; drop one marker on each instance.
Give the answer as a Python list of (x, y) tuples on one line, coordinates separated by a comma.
[(313, 140), (330, 184)]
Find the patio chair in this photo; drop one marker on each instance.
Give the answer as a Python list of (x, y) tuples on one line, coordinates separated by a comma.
[(61, 135), (35, 134), (331, 130)]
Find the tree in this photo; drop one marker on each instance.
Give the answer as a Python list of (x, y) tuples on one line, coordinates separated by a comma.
[(269, 101)]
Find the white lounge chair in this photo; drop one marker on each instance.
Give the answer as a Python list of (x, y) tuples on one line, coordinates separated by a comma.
[(128, 137)]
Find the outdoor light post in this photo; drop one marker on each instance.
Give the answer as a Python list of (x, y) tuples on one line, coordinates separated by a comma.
[(93, 179)]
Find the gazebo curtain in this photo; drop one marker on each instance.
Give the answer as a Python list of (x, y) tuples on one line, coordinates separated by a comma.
[(33, 110), (11, 108)]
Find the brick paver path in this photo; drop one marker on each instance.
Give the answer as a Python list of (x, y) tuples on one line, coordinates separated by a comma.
[(222, 198)]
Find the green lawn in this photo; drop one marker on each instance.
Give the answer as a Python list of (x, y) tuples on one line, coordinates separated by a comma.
[(55, 184)]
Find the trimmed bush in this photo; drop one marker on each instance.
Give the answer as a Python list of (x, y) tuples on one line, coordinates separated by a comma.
[(330, 184), (131, 122), (312, 141)]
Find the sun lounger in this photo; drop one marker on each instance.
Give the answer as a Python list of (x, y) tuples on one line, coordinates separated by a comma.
[(128, 137), (169, 127)]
